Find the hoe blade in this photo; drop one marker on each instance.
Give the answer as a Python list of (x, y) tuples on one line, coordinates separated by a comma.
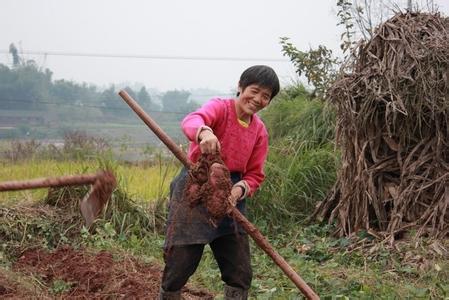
[(100, 192)]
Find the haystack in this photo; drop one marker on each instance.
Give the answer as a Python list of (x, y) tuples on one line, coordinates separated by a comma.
[(393, 132)]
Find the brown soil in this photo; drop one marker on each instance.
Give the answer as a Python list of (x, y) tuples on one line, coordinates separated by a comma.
[(91, 275), (7, 287), (13, 286), (209, 183)]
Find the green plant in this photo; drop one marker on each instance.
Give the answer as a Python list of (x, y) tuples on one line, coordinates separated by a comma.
[(302, 163), (60, 286), (318, 65)]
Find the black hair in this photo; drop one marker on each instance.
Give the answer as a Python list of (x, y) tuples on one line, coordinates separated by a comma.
[(261, 75)]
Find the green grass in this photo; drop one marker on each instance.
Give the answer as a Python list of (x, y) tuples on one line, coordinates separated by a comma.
[(326, 265), (322, 260), (302, 162), (333, 272)]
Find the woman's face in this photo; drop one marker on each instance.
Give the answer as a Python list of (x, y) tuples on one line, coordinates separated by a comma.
[(252, 99)]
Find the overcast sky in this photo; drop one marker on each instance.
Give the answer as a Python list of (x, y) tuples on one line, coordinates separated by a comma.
[(166, 28)]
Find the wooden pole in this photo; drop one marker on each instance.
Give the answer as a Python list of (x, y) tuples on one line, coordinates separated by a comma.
[(47, 182)]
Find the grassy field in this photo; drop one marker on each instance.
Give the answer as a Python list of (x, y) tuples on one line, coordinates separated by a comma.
[(337, 268), (142, 183)]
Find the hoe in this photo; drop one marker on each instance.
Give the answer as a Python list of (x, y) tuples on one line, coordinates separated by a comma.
[(102, 185)]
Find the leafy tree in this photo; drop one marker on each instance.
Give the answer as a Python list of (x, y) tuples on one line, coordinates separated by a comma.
[(318, 65), (178, 101), (15, 55), (65, 91), (173, 101), (25, 86), (144, 98), (109, 97)]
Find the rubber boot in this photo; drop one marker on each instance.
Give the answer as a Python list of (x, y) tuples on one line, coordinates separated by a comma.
[(163, 295), (234, 293)]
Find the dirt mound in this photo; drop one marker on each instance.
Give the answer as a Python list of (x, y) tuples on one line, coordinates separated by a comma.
[(94, 275)]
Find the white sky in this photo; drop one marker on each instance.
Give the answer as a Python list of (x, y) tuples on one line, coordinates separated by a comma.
[(195, 28)]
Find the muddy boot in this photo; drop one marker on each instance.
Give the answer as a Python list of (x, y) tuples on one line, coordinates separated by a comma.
[(234, 293), (163, 295)]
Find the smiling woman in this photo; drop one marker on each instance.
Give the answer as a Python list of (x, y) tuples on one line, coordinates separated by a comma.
[(229, 128), (251, 100), (257, 86)]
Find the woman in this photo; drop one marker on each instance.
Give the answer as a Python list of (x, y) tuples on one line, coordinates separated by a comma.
[(231, 127)]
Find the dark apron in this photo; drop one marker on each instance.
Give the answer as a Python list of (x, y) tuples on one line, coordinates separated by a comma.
[(187, 226)]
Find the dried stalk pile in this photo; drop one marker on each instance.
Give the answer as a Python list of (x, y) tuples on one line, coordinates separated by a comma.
[(393, 131)]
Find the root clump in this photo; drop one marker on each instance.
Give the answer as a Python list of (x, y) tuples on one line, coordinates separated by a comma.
[(209, 184)]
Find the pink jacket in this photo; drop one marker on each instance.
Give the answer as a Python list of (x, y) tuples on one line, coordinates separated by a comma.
[(243, 149)]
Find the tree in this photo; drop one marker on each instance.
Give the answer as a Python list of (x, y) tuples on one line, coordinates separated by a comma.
[(73, 93), (15, 55), (108, 97), (24, 86), (144, 98), (318, 65), (177, 101)]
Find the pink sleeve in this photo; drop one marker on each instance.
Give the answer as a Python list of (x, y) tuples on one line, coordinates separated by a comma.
[(207, 115), (255, 175)]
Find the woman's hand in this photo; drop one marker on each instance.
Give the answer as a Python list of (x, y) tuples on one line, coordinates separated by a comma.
[(209, 142), (236, 194)]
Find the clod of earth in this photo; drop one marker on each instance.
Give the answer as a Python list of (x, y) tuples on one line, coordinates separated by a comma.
[(209, 184)]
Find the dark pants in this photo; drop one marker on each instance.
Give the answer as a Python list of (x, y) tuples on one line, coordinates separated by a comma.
[(230, 251)]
